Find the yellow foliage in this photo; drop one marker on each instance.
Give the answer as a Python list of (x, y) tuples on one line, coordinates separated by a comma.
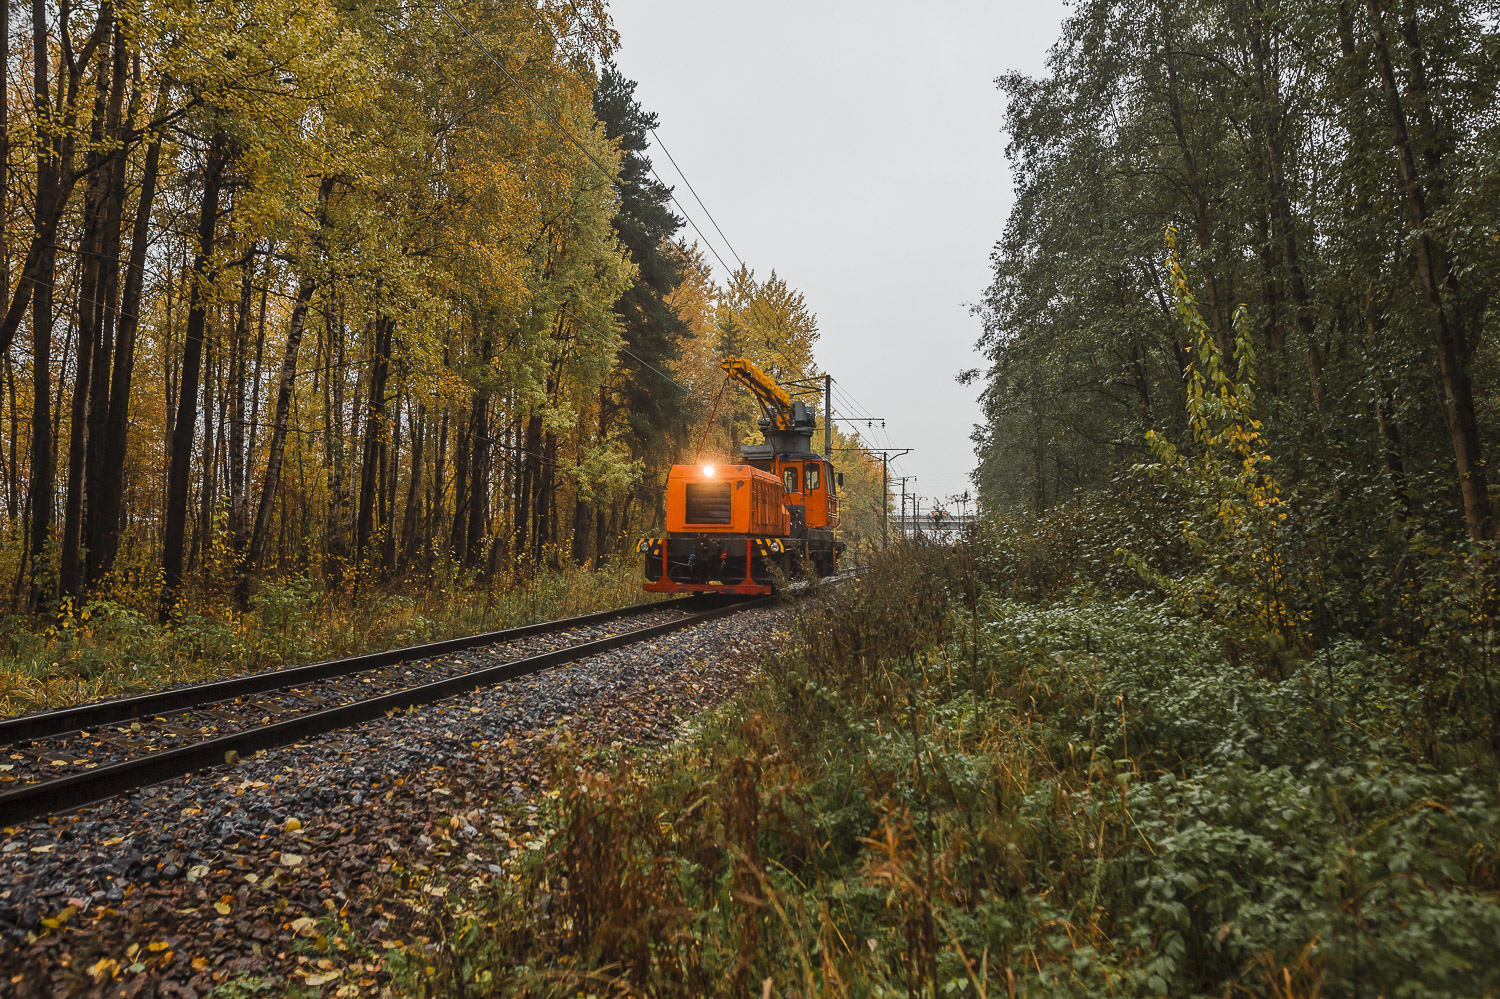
[(1235, 506)]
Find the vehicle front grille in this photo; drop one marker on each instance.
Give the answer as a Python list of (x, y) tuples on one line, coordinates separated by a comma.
[(708, 503)]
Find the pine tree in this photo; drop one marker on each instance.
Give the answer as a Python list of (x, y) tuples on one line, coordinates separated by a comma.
[(655, 414)]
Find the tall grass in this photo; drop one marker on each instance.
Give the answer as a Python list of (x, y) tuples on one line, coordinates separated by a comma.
[(940, 791), (113, 644)]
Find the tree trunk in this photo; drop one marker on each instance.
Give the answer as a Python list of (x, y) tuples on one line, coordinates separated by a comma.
[(285, 381), (1448, 334), (109, 317), (41, 437), (239, 507), (374, 442), (90, 318), (1198, 189), (412, 519), (530, 480), (458, 542), (336, 542), (55, 177), (13, 484), (5, 179), (253, 437), (479, 480), (390, 466), (201, 536), (179, 472), (277, 446), (434, 525), (546, 502), (1283, 223), (580, 545), (36, 282), (105, 505)]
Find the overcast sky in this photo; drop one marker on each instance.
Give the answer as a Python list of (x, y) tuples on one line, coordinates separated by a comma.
[(856, 149)]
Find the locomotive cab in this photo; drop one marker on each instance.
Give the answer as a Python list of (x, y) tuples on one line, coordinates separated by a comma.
[(810, 487)]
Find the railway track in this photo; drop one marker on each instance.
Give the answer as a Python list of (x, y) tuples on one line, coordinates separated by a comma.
[(59, 760)]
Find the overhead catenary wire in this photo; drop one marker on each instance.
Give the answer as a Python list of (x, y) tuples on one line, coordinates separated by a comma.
[(604, 171), (857, 413), (684, 176), (525, 91), (862, 415), (687, 217), (560, 126), (556, 122)]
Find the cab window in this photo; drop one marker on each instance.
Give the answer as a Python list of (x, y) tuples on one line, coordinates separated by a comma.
[(789, 476), (812, 478)]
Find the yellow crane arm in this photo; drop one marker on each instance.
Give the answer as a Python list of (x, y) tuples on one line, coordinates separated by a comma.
[(772, 397)]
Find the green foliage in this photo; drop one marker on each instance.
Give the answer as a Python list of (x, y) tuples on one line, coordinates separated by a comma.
[(653, 413), (1234, 510), (246, 986), (1265, 133), (1082, 797)]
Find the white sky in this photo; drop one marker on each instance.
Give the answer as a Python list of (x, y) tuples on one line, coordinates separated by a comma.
[(855, 148)]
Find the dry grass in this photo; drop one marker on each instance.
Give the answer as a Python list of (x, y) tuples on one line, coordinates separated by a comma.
[(112, 645), (1090, 800)]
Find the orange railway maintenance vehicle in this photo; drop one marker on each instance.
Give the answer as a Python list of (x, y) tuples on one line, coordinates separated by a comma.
[(738, 528)]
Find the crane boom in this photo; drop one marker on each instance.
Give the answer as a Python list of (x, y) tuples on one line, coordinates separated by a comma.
[(773, 398)]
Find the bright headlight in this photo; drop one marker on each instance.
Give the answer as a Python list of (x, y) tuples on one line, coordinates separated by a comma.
[(708, 471)]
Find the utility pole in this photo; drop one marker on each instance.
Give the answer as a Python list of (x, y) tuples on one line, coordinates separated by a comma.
[(903, 503), (886, 454), (828, 415), (903, 507)]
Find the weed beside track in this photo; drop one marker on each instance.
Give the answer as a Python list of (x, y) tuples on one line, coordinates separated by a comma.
[(113, 645), (937, 791)]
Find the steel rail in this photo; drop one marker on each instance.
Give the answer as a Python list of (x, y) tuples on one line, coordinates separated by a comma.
[(35, 800), (49, 724)]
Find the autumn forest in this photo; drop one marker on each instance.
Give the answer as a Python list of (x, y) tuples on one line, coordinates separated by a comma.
[(345, 349), (344, 292)]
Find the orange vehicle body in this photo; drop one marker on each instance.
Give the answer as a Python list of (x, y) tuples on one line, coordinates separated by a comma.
[(727, 499), (740, 528), (814, 489), (734, 528)]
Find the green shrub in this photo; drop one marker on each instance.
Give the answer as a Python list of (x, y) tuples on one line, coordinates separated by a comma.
[(1098, 797)]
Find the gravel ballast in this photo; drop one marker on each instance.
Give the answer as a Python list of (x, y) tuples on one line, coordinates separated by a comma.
[(243, 872)]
